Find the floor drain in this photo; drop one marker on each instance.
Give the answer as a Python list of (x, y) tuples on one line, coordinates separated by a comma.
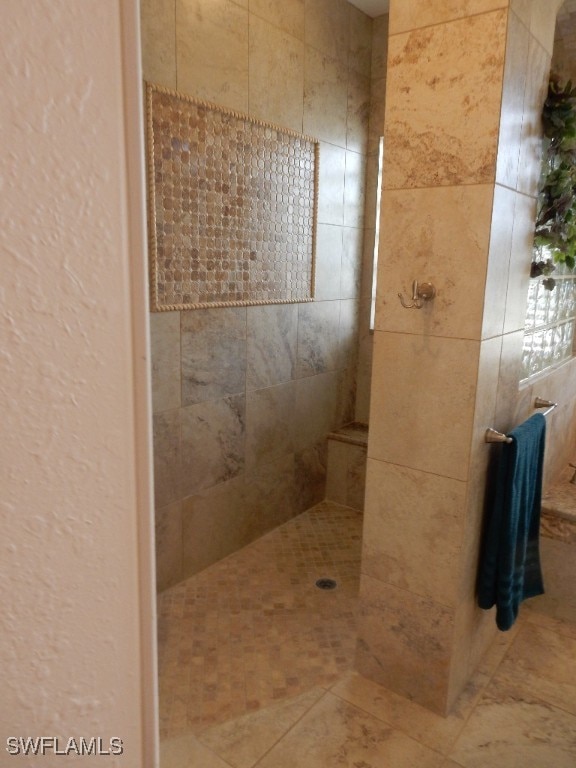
[(326, 584)]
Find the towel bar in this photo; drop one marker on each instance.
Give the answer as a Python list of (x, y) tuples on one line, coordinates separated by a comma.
[(493, 436)]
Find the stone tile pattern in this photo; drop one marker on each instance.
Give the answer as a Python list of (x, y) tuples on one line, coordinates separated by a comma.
[(254, 672), (465, 84), (254, 629), (251, 392), (232, 206)]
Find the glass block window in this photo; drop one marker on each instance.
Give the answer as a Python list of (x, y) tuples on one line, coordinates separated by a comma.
[(550, 321)]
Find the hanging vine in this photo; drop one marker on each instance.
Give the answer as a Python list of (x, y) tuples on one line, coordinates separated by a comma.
[(555, 233)]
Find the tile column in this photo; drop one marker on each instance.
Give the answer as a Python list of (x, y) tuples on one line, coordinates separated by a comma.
[(461, 165)]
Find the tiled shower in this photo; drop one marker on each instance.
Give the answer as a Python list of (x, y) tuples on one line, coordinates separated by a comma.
[(245, 396)]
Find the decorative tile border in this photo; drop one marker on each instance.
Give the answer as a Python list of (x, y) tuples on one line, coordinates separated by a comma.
[(232, 205)]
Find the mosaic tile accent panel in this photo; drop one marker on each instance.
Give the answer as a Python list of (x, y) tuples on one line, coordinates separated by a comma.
[(232, 207)]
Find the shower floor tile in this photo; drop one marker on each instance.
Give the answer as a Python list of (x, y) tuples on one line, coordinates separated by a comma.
[(253, 629)]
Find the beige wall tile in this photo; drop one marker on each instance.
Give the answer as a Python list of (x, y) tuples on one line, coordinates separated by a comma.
[(272, 494), (325, 97), (515, 76), (543, 22), (354, 185), (188, 752), (213, 435), (443, 121), (520, 258), (377, 109), (535, 95), (423, 393), (286, 14), (165, 355), (329, 247), (439, 235), (360, 42), (500, 251), (316, 405), (158, 39), (558, 568), (404, 643), (351, 275), (327, 25), (212, 51), (348, 333), (214, 524), (405, 16), (331, 184), (379, 47), (167, 457), (413, 530), (271, 345), (358, 112), (318, 338), (276, 57), (269, 423), (168, 533)]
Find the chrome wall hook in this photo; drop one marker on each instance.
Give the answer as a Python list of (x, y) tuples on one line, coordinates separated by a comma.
[(420, 293)]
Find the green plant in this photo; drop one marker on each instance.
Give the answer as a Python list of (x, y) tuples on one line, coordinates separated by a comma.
[(555, 231)]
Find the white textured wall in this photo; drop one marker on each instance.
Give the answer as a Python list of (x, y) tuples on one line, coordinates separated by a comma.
[(70, 644)]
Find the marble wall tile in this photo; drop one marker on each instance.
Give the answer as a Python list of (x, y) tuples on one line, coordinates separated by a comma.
[(213, 353), (450, 116), (270, 423), (352, 252), (214, 524), (354, 184), (346, 402), (413, 530), (158, 40), (289, 16), (275, 57), (377, 111), (167, 456), (515, 76), (165, 356), (271, 345), (379, 46), (310, 471), (212, 51), (360, 57), (543, 22), (520, 259), (335, 732), (439, 235), (349, 325), (325, 97), (423, 403), (512, 406), (363, 378), (481, 461), (358, 112), (499, 254), (168, 535), (213, 435), (327, 25), (404, 643), (331, 184), (318, 338), (420, 13), (534, 97), (329, 248), (272, 495), (316, 408), (346, 474)]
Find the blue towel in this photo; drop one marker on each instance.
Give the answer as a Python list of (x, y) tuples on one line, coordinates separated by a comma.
[(510, 563)]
